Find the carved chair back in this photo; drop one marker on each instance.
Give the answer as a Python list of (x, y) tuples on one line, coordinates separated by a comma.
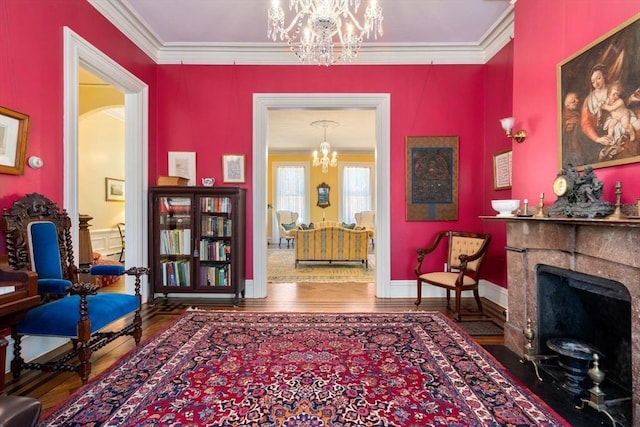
[(36, 217)]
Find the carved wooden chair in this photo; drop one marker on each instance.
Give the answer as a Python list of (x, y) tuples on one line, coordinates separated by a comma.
[(38, 238), (121, 230), (465, 253)]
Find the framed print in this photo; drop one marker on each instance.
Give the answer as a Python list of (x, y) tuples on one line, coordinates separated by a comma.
[(183, 163), (114, 189), (599, 101), (233, 168), (502, 163), (14, 128), (432, 178)]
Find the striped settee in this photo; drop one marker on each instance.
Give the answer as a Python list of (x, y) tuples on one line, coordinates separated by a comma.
[(331, 243)]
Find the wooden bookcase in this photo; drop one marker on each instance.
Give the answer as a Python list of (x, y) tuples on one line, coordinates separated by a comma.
[(197, 240)]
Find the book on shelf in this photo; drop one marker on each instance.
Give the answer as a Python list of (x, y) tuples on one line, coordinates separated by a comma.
[(175, 242), (217, 275), (172, 180), (176, 273), (174, 205), (215, 204)]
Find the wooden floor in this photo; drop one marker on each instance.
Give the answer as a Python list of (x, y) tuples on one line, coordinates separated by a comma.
[(52, 388)]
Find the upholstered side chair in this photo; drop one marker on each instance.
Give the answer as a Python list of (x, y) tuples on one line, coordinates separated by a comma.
[(465, 253), (287, 222), (367, 220)]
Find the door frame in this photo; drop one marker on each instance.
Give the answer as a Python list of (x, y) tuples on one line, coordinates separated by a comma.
[(79, 52), (262, 103)]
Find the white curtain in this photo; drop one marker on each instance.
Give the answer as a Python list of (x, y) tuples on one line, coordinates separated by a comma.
[(291, 190), (356, 191)]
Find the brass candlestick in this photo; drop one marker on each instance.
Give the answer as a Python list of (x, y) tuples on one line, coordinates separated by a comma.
[(617, 213), (540, 213)]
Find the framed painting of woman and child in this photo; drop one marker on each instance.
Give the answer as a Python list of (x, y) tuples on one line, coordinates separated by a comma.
[(599, 101)]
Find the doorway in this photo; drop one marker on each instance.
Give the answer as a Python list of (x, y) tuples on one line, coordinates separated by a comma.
[(262, 103), (80, 53)]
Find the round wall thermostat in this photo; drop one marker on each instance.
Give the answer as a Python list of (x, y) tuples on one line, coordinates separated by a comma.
[(35, 162)]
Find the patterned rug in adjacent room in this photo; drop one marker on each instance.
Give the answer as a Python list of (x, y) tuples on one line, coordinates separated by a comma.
[(306, 369), (281, 268)]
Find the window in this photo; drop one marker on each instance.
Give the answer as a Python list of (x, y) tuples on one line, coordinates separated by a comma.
[(356, 190), (291, 189)]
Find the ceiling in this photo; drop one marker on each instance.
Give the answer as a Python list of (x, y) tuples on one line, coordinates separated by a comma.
[(235, 32)]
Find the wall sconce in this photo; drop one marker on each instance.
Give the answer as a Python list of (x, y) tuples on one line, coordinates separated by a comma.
[(507, 125)]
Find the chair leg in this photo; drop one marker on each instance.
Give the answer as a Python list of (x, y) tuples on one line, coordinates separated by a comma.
[(476, 295), (448, 297), (419, 292), (456, 315)]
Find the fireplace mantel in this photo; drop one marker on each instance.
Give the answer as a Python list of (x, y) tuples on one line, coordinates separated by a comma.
[(604, 222), (598, 247)]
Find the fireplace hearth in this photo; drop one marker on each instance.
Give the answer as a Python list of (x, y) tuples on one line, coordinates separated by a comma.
[(589, 309), (589, 289)]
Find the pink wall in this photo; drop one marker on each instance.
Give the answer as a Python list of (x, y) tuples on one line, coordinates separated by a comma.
[(551, 32), (31, 50), (498, 104), (208, 109)]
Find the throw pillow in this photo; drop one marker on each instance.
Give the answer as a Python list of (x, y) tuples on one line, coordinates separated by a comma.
[(303, 226), (289, 226), (311, 226), (349, 226)]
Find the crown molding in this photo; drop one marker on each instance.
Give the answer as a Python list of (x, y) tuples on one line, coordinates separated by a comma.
[(135, 28)]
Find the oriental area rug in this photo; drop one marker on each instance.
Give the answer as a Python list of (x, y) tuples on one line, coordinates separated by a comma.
[(281, 267), (213, 368)]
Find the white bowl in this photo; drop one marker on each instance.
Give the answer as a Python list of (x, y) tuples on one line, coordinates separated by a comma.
[(505, 207)]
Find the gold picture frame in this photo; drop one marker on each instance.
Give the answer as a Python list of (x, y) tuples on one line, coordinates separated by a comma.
[(431, 178), (599, 101), (114, 190), (14, 129), (233, 168), (502, 170)]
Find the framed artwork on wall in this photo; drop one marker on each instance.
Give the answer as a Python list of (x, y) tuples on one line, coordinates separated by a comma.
[(114, 190), (233, 168), (599, 101), (502, 164), (14, 128), (183, 163), (431, 178)]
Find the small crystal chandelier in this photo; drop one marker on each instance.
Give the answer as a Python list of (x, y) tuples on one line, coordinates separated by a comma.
[(325, 148), (322, 21)]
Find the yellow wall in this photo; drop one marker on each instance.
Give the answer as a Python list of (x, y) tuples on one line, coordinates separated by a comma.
[(101, 155), (316, 177)]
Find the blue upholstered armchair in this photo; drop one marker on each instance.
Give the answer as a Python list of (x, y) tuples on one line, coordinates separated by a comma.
[(39, 239)]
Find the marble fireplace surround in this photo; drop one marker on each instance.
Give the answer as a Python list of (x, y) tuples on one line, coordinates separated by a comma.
[(598, 247)]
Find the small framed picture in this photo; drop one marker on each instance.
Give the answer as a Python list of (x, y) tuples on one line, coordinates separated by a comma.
[(114, 189), (502, 170), (14, 127), (183, 163), (233, 168)]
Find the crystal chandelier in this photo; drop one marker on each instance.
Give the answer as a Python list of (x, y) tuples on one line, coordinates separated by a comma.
[(311, 35), (325, 148)]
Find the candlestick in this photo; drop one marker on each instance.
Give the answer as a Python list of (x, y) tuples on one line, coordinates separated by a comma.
[(540, 213), (617, 213)]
